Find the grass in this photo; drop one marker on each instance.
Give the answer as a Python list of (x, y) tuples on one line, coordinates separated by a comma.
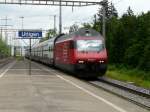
[(138, 77)]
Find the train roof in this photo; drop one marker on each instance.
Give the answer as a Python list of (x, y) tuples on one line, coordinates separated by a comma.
[(83, 32), (46, 42), (87, 32)]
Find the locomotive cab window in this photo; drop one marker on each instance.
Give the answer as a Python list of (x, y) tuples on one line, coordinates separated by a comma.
[(90, 45)]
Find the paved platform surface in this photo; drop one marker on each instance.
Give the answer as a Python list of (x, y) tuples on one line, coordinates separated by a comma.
[(49, 90)]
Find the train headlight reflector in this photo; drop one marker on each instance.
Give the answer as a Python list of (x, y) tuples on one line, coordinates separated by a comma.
[(81, 61), (101, 61)]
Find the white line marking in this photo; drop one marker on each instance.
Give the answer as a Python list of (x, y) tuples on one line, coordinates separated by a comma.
[(24, 69), (47, 70), (88, 92), (2, 74), (92, 94)]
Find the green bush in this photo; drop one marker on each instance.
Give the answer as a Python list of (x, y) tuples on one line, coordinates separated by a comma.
[(128, 74), (4, 49)]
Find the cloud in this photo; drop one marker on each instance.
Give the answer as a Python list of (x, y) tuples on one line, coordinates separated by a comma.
[(39, 16)]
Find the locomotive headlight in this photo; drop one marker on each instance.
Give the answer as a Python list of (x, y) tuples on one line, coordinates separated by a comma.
[(80, 61), (101, 61)]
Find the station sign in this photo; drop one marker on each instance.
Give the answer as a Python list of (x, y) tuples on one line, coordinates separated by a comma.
[(27, 34)]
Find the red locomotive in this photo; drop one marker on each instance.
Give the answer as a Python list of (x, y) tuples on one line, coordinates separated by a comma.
[(82, 53)]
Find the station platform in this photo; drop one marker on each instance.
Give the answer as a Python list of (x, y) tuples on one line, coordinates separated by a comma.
[(49, 90)]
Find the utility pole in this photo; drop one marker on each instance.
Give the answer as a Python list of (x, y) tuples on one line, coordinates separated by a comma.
[(22, 22), (22, 29), (95, 20), (6, 30), (60, 18), (55, 23), (104, 18), (15, 43), (6, 21), (6, 35), (30, 57), (1, 33)]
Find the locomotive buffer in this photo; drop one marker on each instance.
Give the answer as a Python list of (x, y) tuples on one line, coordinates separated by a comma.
[(29, 34)]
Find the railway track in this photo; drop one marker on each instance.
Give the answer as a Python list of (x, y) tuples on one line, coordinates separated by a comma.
[(138, 95), (129, 87), (5, 61)]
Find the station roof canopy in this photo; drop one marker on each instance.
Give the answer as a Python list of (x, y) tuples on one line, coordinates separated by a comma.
[(51, 2)]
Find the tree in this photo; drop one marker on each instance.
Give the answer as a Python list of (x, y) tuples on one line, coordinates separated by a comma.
[(87, 25), (144, 37), (128, 37), (100, 11), (113, 11), (73, 28), (4, 49), (110, 11), (50, 34), (130, 12)]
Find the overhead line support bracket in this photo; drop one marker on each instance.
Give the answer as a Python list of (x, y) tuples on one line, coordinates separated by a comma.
[(50, 2)]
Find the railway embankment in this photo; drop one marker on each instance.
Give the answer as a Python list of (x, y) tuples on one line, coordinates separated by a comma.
[(132, 76)]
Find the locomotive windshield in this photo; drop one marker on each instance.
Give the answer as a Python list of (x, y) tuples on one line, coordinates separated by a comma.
[(89, 45)]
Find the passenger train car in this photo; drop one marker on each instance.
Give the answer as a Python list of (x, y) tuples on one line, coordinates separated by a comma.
[(82, 53)]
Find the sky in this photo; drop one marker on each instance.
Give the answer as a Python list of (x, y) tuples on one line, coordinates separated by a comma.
[(36, 17)]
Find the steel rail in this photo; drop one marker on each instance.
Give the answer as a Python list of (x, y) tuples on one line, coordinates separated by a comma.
[(121, 86), (127, 86)]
